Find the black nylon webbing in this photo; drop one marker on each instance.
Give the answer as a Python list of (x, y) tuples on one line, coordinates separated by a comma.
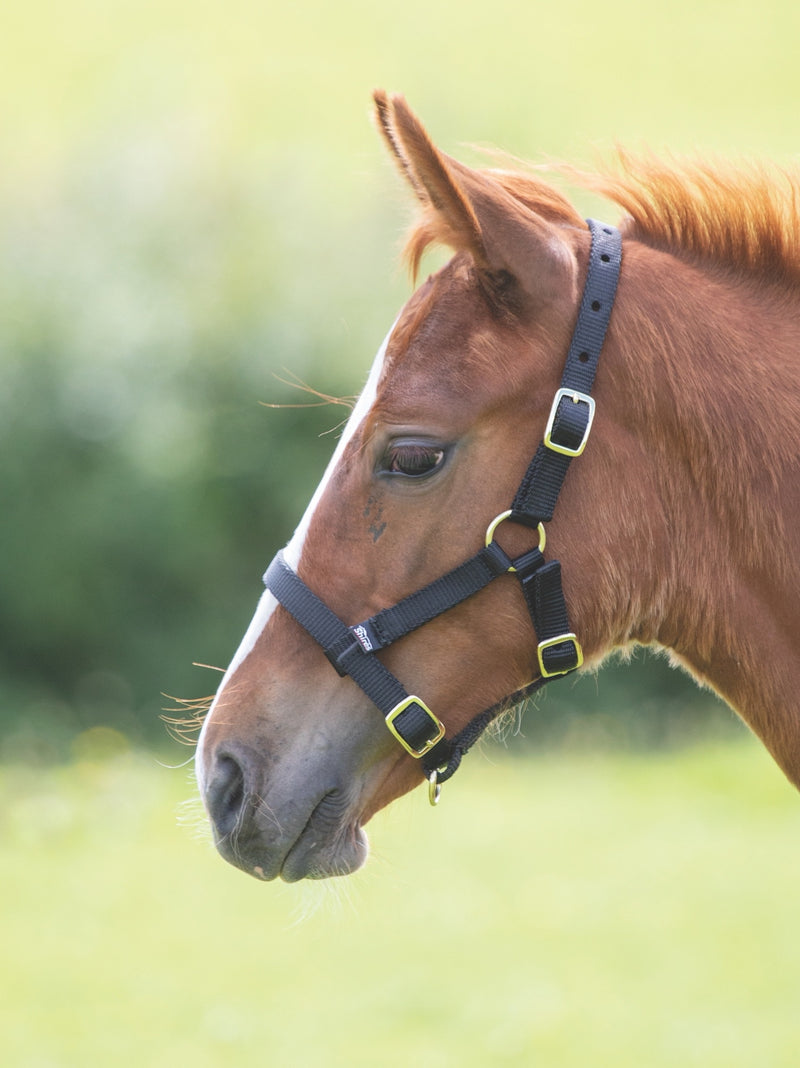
[(599, 291), (547, 605), (445, 758), (536, 497), (413, 724), (325, 627), (432, 600)]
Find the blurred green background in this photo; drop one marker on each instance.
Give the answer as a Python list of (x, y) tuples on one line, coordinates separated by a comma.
[(194, 207), (193, 201)]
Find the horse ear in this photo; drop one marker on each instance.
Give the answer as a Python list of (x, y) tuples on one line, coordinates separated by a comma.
[(472, 211), (429, 173)]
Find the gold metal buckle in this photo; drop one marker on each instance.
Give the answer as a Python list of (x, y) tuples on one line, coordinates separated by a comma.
[(577, 398), (557, 641), (436, 724), (495, 523)]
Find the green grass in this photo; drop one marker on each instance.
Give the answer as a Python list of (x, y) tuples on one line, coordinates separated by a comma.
[(566, 910)]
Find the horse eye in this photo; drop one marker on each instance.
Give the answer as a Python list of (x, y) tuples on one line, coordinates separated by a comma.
[(413, 460)]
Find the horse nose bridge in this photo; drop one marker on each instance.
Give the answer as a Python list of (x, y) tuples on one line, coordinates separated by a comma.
[(253, 689)]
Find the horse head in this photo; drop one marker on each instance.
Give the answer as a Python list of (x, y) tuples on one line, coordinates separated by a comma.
[(294, 758)]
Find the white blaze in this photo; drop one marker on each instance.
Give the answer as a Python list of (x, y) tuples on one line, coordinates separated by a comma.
[(293, 551)]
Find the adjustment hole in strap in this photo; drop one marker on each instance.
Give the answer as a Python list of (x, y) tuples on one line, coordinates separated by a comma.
[(584, 357), (596, 305)]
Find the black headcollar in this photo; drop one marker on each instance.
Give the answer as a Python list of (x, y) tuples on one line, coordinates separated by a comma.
[(351, 650)]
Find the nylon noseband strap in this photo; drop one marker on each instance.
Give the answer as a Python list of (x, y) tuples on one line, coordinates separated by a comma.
[(351, 650), (412, 720)]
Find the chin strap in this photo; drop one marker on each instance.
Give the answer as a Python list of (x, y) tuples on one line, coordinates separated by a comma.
[(351, 650)]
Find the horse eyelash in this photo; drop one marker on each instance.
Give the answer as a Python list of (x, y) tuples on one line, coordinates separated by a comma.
[(414, 453)]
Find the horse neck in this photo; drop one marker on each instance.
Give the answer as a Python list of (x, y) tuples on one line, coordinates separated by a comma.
[(709, 375)]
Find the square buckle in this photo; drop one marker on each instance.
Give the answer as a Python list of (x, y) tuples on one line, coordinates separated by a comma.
[(558, 641), (435, 735), (577, 398)]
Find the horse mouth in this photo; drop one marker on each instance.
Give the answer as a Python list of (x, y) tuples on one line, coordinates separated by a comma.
[(343, 854), (330, 843), (327, 846)]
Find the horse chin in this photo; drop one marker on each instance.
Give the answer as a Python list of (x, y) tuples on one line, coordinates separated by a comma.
[(330, 843), (345, 853)]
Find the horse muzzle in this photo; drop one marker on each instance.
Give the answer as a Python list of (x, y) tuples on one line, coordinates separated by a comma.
[(306, 831)]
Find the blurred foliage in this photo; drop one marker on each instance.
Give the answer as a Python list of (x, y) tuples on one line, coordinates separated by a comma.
[(191, 203), (143, 333)]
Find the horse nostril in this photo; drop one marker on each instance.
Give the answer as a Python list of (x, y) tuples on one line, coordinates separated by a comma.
[(225, 795)]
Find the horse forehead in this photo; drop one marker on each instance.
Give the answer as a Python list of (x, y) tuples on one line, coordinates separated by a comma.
[(451, 296), (449, 353)]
